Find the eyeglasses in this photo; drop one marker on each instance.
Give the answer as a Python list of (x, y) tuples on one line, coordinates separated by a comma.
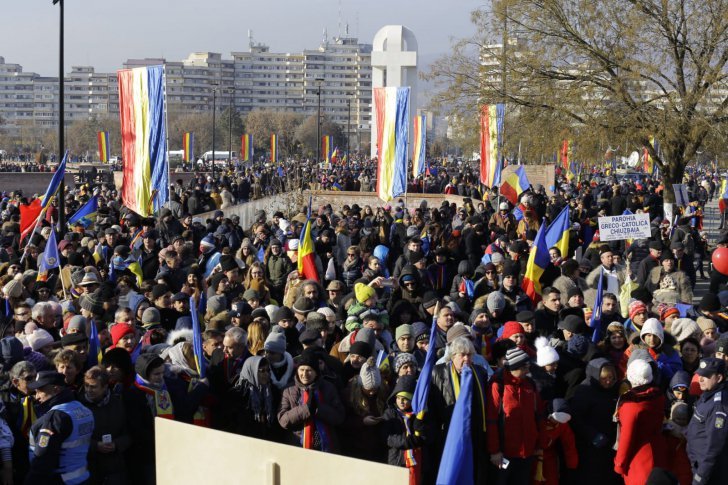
[(351, 254)]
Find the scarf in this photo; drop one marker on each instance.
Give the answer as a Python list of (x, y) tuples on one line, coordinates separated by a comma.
[(315, 434), (455, 378), (160, 403), (260, 397), (412, 457), (282, 383), (29, 415)]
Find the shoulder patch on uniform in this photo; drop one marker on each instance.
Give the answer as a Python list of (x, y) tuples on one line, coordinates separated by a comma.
[(43, 440), (717, 397), (49, 432), (719, 422)]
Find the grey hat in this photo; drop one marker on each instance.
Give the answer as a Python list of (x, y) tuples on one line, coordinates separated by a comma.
[(316, 321), (276, 342), (77, 322), (151, 317), (403, 358), (216, 304), (496, 301)]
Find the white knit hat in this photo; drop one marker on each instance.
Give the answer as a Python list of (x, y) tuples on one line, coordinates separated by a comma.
[(370, 376), (653, 326), (39, 339), (683, 328), (545, 354), (639, 373)]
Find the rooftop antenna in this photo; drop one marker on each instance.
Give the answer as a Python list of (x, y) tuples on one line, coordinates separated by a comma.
[(250, 38), (356, 24), (339, 33), (326, 37)]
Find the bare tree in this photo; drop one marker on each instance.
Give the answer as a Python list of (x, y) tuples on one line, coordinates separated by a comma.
[(630, 69)]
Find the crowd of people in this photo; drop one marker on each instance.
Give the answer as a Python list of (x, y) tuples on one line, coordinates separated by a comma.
[(93, 351)]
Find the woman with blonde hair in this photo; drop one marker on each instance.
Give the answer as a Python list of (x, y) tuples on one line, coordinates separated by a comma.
[(257, 333), (255, 280)]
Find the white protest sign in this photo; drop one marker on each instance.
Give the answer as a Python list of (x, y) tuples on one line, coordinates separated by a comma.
[(632, 226)]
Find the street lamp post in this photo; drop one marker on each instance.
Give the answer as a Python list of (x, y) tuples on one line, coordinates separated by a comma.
[(61, 125), (348, 131), (230, 130), (319, 81), (214, 101)]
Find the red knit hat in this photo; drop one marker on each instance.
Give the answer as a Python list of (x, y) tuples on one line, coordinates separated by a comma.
[(510, 329), (636, 307), (119, 330), (668, 312)]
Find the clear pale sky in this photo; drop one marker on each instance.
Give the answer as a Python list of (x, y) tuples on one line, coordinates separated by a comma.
[(104, 33)]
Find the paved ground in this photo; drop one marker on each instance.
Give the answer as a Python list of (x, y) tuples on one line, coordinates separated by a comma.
[(711, 221)]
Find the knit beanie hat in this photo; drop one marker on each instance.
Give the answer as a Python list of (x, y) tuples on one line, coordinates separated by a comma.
[(13, 288), (578, 345), (119, 330), (276, 342), (545, 354), (421, 331), (39, 339), (515, 359), (366, 335), (363, 292), (92, 302), (283, 313), (146, 362), (636, 307), (77, 322), (11, 352), (639, 373), (151, 317), (369, 375), (653, 326), (683, 328), (511, 328), (668, 312), (326, 312), (402, 330), (403, 358), (429, 299), (705, 323), (361, 348), (216, 304), (304, 305), (496, 301), (316, 321)]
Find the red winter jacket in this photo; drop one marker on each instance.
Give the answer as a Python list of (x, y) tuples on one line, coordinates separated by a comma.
[(641, 446), (555, 434), (520, 423)]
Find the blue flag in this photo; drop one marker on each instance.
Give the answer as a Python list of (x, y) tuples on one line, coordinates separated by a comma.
[(197, 339), (422, 389), (86, 215), (596, 320), (55, 182), (261, 253), (456, 465), (49, 260)]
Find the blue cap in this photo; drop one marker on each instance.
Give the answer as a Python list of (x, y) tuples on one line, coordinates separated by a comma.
[(710, 366)]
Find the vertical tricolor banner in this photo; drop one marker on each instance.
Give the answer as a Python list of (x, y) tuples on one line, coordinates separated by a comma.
[(246, 147), (491, 134), (327, 147), (274, 148), (565, 154), (391, 107), (188, 146), (419, 140), (143, 113), (103, 137)]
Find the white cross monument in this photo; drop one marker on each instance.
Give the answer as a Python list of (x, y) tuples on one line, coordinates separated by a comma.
[(394, 64)]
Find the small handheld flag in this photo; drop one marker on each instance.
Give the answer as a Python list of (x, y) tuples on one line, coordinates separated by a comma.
[(49, 260), (596, 320), (197, 339), (422, 389), (86, 215)]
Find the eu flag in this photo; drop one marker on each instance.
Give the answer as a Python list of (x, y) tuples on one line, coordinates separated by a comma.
[(596, 320), (456, 465), (49, 260), (94, 346), (422, 389), (197, 339), (86, 215)]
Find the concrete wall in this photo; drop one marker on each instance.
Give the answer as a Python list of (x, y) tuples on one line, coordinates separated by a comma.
[(191, 455), (30, 183), (173, 177), (292, 202)]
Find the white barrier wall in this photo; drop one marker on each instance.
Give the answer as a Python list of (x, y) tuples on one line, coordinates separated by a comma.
[(191, 455)]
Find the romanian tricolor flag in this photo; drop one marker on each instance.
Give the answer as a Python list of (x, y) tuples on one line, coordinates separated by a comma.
[(274, 148), (491, 134), (538, 259), (557, 233), (391, 116), (49, 259), (142, 111), (327, 148), (515, 184), (335, 155), (307, 251), (649, 164), (188, 146), (246, 147), (103, 137), (419, 145), (565, 154)]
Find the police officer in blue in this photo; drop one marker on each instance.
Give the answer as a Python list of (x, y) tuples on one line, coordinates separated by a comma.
[(708, 429), (60, 438)]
